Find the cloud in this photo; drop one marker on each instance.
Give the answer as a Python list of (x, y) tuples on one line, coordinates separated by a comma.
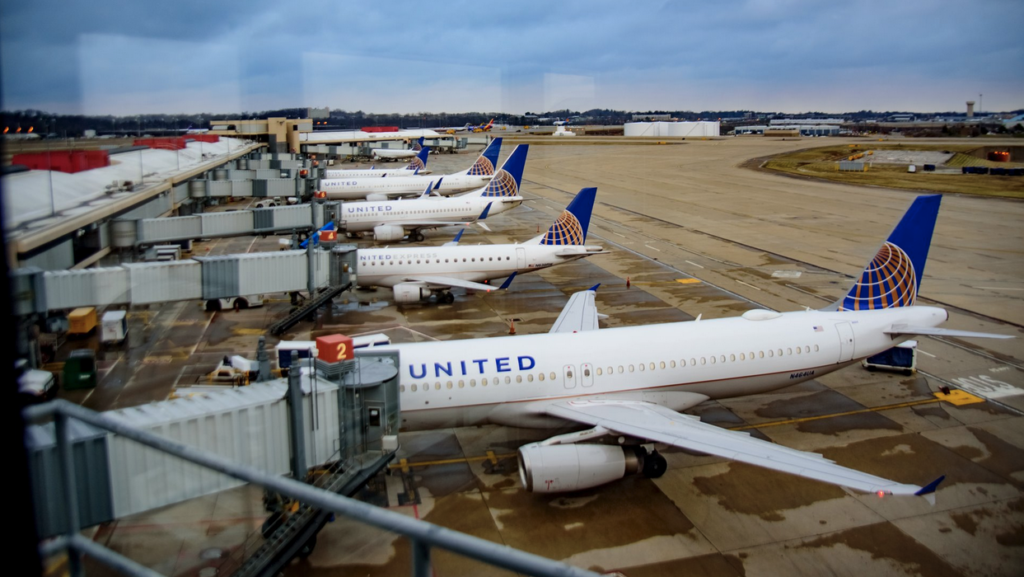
[(407, 56)]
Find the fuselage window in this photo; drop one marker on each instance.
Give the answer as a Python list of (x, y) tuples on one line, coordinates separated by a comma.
[(798, 350), (760, 354), (401, 388), (807, 349), (541, 376), (446, 260), (600, 371), (586, 372), (473, 259), (722, 358), (743, 357), (413, 387), (508, 380), (789, 351), (620, 369), (631, 368), (732, 358), (483, 382), (651, 366), (462, 384), (771, 353), (642, 367), (529, 377), (672, 364), (519, 378), (815, 348), (448, 384), (662, 365), (703, 361), (472, 382), (437, 386), (552, 375), (712, 359)]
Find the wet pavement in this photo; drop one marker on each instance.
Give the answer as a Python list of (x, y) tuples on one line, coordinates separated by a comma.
[(694, 233)]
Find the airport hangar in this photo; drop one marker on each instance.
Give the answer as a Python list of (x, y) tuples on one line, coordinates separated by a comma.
[(718, 525)]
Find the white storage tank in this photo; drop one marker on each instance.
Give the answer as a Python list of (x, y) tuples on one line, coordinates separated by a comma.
[(698, 129)]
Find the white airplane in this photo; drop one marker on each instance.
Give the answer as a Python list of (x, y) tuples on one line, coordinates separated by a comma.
[(629, 384), (393, 220), (416, 273), (397, 153), (418, 165), (376, 188)]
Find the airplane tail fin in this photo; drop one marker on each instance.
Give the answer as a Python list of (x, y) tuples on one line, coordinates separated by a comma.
[(510, 176), (418, 145), (571, 226), (419, 162), (893, 277), (488, 159)]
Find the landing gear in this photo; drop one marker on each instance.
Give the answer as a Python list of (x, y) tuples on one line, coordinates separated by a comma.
[(445, 298), (417, 236), (307, 548), (654, 465)]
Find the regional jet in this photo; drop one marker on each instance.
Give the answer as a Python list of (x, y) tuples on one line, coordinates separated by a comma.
[(627, 386), (393, 220), (416, 166), (397, 153), (375, 188), (417, 273)]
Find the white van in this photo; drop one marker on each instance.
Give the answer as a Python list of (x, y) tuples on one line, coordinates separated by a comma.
[(240, 303)]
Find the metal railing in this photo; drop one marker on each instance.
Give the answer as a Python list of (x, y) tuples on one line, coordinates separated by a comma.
[(423, 536)]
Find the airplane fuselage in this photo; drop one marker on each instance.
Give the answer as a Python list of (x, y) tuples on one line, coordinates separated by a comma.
[(393, 154), (477, 263), (507, 380), (357, 188), (370, 173), (364, 216)]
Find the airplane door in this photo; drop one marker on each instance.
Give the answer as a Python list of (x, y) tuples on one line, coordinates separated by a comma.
[(587, 375), (569, 376), (520, 258), (846, 342)]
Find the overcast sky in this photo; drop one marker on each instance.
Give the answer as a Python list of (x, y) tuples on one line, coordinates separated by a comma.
[(130, 57)]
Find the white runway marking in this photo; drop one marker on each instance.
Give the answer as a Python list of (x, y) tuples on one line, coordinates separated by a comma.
[(747, 284), (694, 264)]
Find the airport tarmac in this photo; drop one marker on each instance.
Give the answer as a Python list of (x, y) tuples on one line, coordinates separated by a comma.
[(695, 232)]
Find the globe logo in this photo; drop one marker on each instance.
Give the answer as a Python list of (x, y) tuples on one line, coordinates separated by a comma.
[(482, 167), (566, 230), (888, 281)]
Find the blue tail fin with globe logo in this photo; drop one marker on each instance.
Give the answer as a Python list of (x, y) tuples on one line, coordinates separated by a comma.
[(893, 277), (571, 226)]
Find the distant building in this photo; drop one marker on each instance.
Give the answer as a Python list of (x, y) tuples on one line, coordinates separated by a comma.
[(321, 113), (651, 117), (902, 118)]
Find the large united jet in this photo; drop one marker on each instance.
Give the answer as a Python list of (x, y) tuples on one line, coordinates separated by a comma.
[(417, 273), (628, 385), (393, 220), (376, 188), (416, 166)]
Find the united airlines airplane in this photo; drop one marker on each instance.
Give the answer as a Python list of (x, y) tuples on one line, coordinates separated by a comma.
[(393, 220), (416, 273), (417, 166), (628, 385), (376, 188)]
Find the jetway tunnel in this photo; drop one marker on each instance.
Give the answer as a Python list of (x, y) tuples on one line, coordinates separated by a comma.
[(333, 424)]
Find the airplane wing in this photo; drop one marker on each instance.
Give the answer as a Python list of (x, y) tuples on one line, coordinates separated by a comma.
[(937, 332), (656, 423), (415, 224), (449, 282), (579, 314), (578, 251)]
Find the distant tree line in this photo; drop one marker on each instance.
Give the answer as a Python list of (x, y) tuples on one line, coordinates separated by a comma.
[(73, 125)]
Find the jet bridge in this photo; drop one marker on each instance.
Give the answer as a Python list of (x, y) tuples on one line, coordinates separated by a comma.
[(274, 220), (207, 278), (341, 418)]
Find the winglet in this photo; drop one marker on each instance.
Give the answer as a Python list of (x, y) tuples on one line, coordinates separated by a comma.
[(458, 237), (438, 185), (594, 288), (507, 282), (427, 191), (930, 487), (483, 215)]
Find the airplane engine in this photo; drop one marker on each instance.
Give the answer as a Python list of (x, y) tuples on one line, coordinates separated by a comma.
[(373, 197), (410, 293), (388, 232), (561, 468)]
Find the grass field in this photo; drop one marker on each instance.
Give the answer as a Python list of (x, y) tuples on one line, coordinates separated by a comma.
[(822, 163)]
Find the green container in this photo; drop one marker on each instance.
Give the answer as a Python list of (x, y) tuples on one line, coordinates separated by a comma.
[(80, 370)]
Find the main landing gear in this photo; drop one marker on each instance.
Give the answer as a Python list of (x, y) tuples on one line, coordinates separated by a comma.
[(417, 236)]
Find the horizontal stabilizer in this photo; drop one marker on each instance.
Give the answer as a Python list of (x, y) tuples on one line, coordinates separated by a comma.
[(937, 332), (508, 281)]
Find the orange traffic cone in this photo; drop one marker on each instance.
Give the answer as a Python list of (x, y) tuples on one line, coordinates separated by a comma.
[(627, 282), (512, 327)]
